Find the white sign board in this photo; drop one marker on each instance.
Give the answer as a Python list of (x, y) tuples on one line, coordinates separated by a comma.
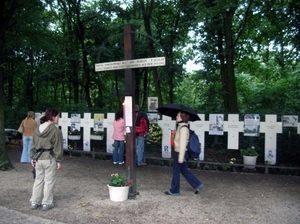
[(136, 63)]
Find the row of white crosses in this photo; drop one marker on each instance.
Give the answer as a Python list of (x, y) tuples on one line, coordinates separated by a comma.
[(233, 127), (87, 123)]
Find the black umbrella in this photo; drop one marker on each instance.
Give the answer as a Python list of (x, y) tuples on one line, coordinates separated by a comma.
[(172, 109)]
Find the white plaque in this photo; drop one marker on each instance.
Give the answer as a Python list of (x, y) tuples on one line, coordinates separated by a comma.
[(128, 111), (136, 63)]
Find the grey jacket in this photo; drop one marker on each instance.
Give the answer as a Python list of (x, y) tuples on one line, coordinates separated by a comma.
[(51, 137)]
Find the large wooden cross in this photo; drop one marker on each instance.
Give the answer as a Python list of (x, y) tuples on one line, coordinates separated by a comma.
[(129, 64)]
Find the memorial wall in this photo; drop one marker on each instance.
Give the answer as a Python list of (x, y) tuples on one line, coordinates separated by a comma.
[(251, 126)]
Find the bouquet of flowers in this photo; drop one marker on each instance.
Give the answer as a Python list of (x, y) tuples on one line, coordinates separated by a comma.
[(101, 133), (154, 135), (232, 160), (74, 132)]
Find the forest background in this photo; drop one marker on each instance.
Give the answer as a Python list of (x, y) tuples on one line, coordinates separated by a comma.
[(248, 51)]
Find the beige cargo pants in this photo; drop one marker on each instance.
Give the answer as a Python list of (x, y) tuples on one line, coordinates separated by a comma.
[(43, 187)]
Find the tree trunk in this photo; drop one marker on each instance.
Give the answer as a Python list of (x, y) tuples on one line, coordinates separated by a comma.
[(170, 77), (3, 151), (81, 35), (231, 94), (10, 80), (138, 78), (222, 68), (146, 18), (4, 21)]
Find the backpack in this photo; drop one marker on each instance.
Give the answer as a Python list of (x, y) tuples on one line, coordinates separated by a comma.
[(193, 146)]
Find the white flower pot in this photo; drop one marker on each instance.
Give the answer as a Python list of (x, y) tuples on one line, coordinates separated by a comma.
[(96, 137), (118, 194), (250, 160), (74, 137)]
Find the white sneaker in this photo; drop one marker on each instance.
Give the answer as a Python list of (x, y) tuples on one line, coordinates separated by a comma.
[(116, 163), (120, 163)]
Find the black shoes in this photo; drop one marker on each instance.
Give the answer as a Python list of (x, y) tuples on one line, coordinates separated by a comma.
[(199, 188)]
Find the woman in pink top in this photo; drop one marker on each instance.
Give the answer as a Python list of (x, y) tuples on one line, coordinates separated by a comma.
[(119, 138)]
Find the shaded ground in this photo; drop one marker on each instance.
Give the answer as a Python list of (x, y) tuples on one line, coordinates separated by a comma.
[(81, 196)]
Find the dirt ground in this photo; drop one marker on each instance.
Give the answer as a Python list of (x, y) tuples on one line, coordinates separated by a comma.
[(81, 196)]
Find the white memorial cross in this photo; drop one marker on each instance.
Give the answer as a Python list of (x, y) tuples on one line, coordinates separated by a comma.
[(64, 122), (233, 126), (167, 125), (271, 128), (200, 127), (108, 123), (87, 123)]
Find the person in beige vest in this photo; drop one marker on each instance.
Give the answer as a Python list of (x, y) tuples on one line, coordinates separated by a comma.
[(29, 124)]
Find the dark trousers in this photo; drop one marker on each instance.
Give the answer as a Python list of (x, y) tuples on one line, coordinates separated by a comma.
[(183, 169)]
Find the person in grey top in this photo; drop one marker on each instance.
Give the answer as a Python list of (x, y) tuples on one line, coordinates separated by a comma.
[(46, 154)]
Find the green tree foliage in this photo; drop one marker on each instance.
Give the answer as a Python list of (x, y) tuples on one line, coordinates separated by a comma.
[(55, 57)]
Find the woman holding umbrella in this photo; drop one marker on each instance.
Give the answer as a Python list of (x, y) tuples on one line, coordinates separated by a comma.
[(181, 141)]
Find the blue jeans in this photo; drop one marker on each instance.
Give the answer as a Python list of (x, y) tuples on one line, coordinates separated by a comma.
[(118, 151), (140, 145), (183, 169), (25, 157)]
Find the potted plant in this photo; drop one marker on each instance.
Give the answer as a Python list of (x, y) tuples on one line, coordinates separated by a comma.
[(249, 157), (74, 135), (118, 187), (97, 135)]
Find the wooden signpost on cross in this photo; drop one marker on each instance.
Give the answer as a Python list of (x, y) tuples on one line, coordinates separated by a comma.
[(129, 64)]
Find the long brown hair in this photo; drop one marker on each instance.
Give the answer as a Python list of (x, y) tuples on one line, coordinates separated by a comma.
[(50, 114)]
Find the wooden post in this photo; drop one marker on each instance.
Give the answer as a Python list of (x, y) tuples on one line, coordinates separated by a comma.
[(129, 64), (130, 91)]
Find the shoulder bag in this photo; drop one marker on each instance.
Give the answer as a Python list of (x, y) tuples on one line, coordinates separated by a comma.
[(21, 128)]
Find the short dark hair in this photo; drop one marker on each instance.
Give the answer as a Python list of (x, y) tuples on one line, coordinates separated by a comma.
[(184, 116), (119, 115)]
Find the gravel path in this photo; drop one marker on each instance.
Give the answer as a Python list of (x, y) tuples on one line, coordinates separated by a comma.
[(81, 196)]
